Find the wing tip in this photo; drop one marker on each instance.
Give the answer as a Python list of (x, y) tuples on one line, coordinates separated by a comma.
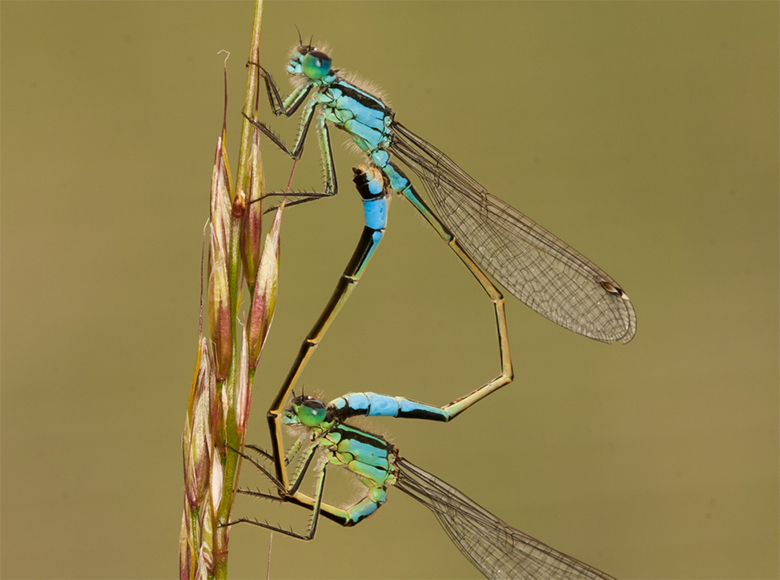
[(629, 317)]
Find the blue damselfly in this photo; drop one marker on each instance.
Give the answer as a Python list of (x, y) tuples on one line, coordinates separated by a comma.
[(488, 235), (496, 549)]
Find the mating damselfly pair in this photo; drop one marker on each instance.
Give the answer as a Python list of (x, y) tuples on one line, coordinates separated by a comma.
[(492, 239)]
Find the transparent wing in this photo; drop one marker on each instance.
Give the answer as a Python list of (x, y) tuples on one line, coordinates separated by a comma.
[(545, 273), (496, 549)]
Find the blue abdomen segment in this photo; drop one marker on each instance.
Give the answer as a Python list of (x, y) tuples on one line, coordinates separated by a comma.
[(375, 213), (375, 405)]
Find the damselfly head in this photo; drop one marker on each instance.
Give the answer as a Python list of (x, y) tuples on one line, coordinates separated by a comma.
[(308, 61), (307, 411)]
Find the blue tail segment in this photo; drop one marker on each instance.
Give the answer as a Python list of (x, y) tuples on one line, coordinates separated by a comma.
[(374, 405)]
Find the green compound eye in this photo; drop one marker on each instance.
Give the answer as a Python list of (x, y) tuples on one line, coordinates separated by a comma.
[(316, 64), (311, 412)]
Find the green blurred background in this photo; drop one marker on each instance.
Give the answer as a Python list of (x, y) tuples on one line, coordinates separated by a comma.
[(643, 133)]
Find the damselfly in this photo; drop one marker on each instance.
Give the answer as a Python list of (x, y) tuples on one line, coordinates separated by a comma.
[(493, 547), (488, 235)]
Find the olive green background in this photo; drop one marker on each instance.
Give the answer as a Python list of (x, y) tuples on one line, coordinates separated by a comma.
[(643, 133)]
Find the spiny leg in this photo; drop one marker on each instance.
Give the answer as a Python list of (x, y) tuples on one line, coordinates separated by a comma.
[(297, 150), (328, 164), (304, 466), (279, 106), (316, 507), (260, 451), (291, 453), (326, 153), (307, 197)]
